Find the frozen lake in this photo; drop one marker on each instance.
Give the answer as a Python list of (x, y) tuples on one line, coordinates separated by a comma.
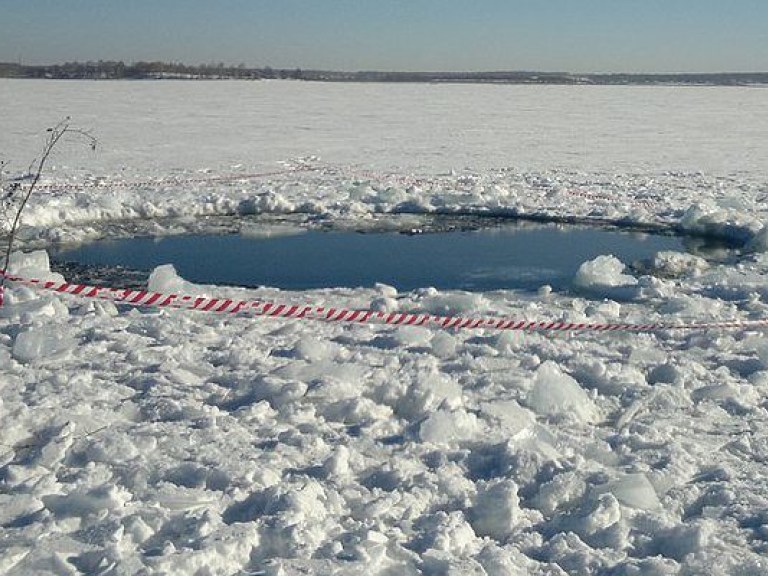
[(164, 126), (510, 256), (152, 440)]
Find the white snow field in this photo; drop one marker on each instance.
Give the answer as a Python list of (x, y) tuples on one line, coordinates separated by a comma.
[(147, 441)]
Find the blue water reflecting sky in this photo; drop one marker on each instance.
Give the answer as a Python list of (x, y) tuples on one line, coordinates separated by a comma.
[(509, 257)]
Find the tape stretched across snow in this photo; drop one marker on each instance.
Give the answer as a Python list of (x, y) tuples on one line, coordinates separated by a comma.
[(261, 308), (234, 177), (405, 180)]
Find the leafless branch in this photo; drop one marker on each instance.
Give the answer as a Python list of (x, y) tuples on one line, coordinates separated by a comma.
[(17, 196)]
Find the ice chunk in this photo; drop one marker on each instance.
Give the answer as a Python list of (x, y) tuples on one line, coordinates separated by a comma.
[(336, 465), (497, 510), (37, 343), (682, 540), (385, 290), (28, 307), (111, 448), (721, 222), (384, 304), (86, 502), (515, 421), (165, 279), (456, 304), (604, 270), (564, 491), (404, 336), (12, 557), (605, 514), (217, 550), (448, 532), (443, 345), (97, 308), (428, 394), (558, 394), (445, 427), (633, 490), (33, 265), (505, 560), (604, 276), (313, 349), (673, 264), (13, 506)]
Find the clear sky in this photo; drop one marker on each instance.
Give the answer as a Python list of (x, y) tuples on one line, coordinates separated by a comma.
[(426, 35)]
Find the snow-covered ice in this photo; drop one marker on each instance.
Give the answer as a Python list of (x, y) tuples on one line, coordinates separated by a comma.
[(140, 441)]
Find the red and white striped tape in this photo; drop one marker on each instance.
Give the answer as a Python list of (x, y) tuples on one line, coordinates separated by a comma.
[(175, 181), (347, 172), (610, 199), (469, 180), (261, 308)]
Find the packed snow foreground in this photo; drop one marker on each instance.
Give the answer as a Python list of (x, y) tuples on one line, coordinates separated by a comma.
[(148, 441), (186, 442)]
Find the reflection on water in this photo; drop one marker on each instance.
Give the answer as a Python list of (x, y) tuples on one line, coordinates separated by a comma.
[(510, 256)]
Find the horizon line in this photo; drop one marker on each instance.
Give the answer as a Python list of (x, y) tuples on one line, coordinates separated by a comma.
[(243, 66)]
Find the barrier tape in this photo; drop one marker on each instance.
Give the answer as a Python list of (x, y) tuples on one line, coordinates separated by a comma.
[(176, 181), (404, 180), (469, 180), (649, 203), (261, 308)]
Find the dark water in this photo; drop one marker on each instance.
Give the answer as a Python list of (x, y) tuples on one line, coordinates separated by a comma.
[(507, 257)]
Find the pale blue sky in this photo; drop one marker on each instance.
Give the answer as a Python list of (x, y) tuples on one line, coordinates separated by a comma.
[(435, 35)]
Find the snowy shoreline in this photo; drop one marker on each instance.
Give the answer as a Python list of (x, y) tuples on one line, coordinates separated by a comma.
[(163, 441)]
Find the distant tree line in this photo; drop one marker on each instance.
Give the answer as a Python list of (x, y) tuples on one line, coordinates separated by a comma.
[(116, 70)]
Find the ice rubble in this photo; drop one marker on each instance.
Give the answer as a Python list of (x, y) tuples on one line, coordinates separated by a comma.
[(557, 394), (195, 443)]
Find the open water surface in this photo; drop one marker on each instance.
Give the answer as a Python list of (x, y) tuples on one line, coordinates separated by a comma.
[(510, 256)]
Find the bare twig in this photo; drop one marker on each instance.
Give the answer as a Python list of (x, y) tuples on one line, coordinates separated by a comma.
[(36, 168)]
